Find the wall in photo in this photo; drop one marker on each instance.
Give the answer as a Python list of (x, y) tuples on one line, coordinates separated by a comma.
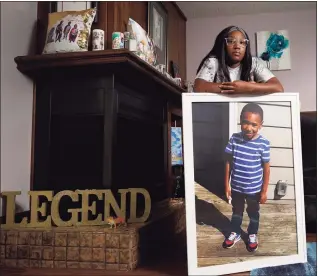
[(277, 128)]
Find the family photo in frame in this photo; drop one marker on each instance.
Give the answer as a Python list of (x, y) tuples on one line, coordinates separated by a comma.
[(243, 179)]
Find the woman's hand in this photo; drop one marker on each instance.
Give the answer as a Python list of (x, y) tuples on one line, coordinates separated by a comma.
[(242, 87), (236, 87)]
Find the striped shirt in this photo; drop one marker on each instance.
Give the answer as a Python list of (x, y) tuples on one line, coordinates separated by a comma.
[(248, 157)]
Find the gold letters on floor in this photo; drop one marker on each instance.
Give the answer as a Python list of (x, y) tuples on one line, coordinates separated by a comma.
[(37, 209)]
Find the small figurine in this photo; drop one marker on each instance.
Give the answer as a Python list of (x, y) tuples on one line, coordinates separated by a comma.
[(113, 222)]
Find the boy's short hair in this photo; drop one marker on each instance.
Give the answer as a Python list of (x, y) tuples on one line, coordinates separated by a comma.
[(253, 108)]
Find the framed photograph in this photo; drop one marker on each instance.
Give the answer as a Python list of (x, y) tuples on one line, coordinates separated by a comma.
[(243, 182), (157, 29)]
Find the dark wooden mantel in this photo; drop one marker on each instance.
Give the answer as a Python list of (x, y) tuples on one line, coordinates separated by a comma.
[(102, 120), (121, 62)]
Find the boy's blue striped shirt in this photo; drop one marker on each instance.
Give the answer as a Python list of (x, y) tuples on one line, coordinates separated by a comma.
[(246, 168)]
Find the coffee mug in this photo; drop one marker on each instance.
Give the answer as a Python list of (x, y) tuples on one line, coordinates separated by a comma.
[(98, 40)]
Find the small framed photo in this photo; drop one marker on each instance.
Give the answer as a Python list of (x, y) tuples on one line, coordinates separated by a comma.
[(243, 182), (157, 29)]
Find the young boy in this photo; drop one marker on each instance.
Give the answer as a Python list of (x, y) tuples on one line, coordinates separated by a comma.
[(247, 163)]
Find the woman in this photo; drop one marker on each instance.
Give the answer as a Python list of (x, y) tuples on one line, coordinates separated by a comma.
[(230, 68)]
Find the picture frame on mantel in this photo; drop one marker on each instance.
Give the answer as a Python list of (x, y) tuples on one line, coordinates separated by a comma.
[(158, 29), (56, 6)]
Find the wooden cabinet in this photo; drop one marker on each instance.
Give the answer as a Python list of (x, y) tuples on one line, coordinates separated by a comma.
[(114, 15), (97, 125)]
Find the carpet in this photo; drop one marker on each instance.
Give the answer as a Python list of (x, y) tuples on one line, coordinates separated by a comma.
[(308, 269)]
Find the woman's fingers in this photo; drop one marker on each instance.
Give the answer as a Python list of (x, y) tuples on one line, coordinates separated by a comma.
[(226, 87), (227, 91)]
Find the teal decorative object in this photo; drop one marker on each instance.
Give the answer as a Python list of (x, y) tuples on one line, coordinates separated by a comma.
[(273, 48)]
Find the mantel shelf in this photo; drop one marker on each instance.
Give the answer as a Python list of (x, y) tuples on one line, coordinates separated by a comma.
[(114, 61)]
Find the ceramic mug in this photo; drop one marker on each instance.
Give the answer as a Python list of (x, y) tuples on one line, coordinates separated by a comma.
[(98, 40), (117, 40)]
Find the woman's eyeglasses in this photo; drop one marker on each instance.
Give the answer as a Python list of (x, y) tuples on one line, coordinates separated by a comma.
[(232, 41)]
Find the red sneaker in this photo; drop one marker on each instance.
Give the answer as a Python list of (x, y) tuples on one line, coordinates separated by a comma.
[(231, 240), (252, 243)]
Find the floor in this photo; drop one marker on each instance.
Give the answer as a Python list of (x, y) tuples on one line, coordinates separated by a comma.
[(213, 218)]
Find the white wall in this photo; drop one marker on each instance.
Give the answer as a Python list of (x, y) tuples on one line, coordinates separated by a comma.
[(278, 130), (17, 26), (302, 27)]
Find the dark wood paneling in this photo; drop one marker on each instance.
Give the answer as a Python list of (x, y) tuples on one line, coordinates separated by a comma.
[(139, 12), (176, 38), (179, 11), (102, 18), (147, 108), (76, 153), (42, 22), (182, 56), (41, 137), (120, 12), (89, 100), (173, 29)]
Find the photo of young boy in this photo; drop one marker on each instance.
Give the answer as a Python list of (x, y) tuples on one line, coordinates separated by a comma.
[(247, 171), (243, 183)]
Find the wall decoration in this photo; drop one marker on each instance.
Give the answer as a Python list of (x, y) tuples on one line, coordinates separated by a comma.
[(176, 146), (220, 147), (157, 29), (274, 49)]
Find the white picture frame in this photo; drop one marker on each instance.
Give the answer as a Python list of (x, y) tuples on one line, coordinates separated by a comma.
[(189, 132)]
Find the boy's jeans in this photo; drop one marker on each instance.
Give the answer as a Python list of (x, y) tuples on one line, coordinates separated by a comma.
[(238, 203)]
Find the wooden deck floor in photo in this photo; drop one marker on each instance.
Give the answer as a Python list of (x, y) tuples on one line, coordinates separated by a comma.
[(277, 232)]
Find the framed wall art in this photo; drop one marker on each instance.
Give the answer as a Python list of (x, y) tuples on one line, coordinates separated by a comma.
[(274, 49), (157, 29)]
